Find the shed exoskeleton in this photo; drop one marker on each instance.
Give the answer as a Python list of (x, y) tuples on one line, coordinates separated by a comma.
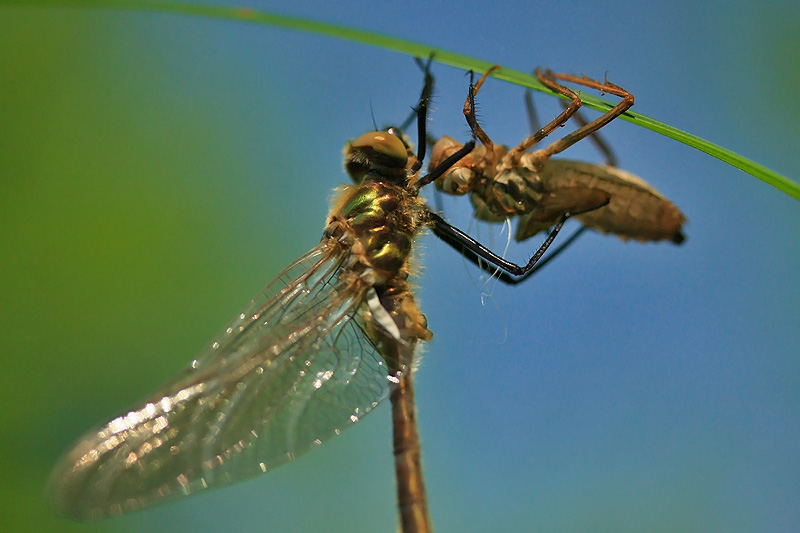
[(505, 183)]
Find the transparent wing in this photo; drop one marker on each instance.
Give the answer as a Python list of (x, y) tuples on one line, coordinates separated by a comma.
[(292, 370)]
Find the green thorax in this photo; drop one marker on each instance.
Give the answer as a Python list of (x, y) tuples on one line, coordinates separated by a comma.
[(383, 218)]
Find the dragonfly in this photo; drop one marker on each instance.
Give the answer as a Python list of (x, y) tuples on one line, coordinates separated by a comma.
[(327, 341), (505, 183)]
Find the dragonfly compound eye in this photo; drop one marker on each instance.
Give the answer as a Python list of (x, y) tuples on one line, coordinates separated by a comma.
[(376, 151)]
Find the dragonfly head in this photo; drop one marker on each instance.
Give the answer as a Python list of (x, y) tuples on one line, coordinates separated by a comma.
[(378, 156)]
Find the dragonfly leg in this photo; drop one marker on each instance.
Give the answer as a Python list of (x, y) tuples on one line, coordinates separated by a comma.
[(475, 251), (445, 165), (427, 89), (507, 271), (421, 112)]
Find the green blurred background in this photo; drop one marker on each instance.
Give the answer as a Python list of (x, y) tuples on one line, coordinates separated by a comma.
[(157, 171)]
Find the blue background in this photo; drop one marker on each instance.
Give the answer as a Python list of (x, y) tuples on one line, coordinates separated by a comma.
[(157, 171)]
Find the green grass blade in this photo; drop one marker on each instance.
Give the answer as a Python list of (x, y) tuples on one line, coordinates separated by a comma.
[(266, 18)]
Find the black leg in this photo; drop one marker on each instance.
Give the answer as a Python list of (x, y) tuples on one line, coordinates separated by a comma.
[(445, 165), (427, 89), (475, 251), (502, 275), (422, 112)]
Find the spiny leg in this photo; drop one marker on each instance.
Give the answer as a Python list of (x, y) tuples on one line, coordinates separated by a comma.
[(469, 114), (515, 153), (596, 137), (427, 88), (421, 112), (445, 165), (548, 78)]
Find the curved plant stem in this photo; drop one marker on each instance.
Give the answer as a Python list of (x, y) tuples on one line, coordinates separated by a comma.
[(266, 18)]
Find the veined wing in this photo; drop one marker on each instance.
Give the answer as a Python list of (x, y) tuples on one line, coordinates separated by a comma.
[(292, 370)]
